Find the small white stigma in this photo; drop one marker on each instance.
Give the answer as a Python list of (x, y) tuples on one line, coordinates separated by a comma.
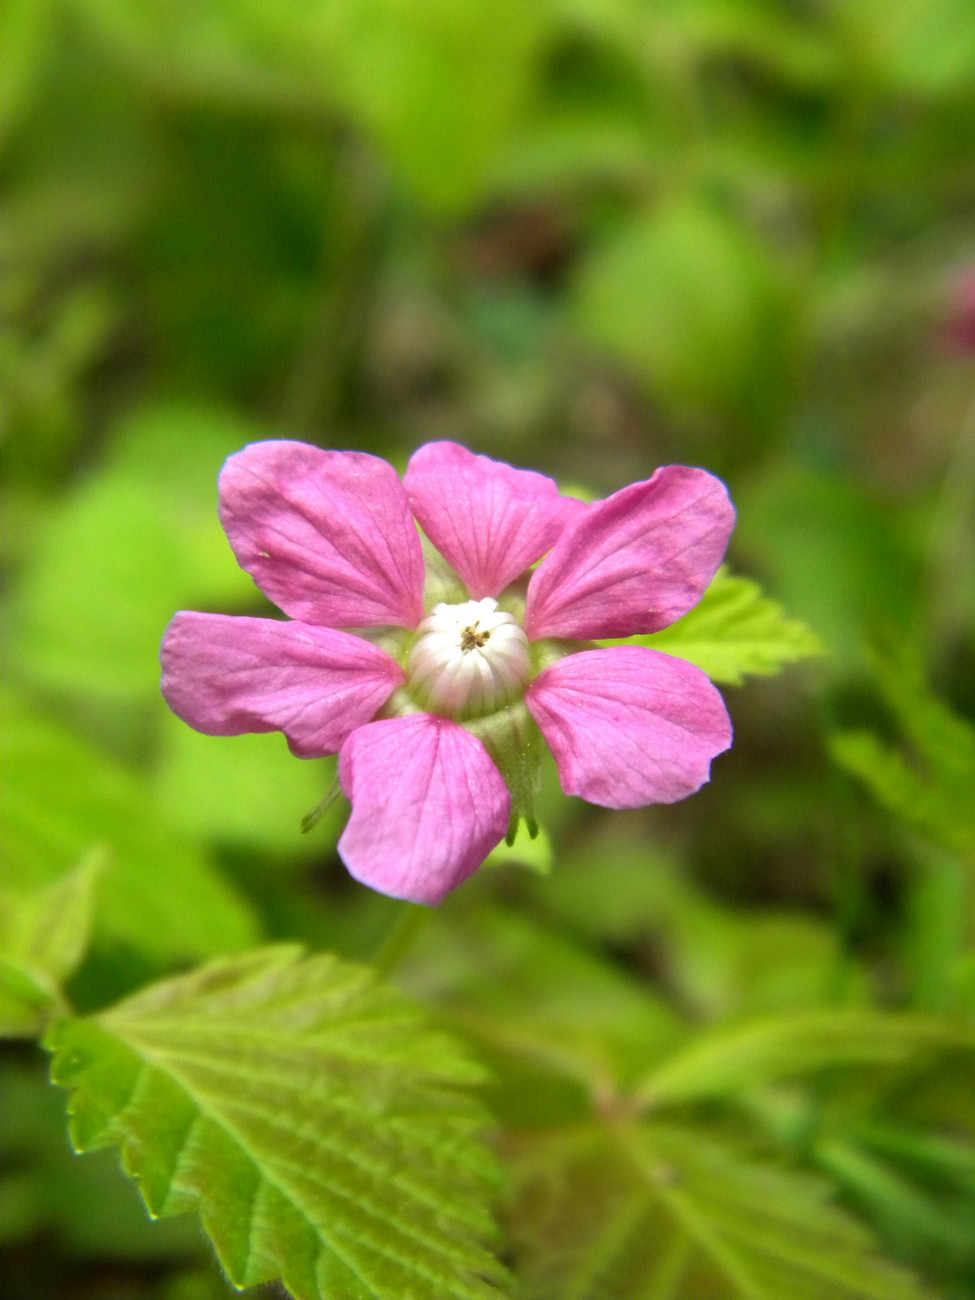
[(469, 659)]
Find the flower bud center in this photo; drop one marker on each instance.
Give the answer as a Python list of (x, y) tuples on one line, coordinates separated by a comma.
[(468, 660)]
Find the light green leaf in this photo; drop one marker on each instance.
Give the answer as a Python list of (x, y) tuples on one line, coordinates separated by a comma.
[(438, 84), (729, 1058), (921, 47), (25, 28), (246, 790), (43, 937), (310, 1115), (835, 554), (735, 631), (136, 541), (61, 796), (657, 1212), (688, 297)]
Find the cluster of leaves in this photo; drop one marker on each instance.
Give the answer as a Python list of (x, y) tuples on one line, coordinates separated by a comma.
[(720, 1049)]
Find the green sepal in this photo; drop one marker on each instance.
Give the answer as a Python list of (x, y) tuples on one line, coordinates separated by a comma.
[(512, 738)]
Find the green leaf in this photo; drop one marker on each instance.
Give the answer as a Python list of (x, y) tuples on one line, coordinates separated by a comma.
[(736, 631), (929, 1220), (133, 543), (921, 47), (43, 937), (25, 28), (246, 790), (720, 960), (89, 1205), (533, 995), (61, 796), (438, 84), (310, 1115), (928, 787), (657, 1212), (836, 554), (690, 299), (729, 1058)]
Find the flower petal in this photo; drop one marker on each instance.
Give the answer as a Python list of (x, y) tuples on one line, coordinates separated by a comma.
[(225, 676), (630, 726), (635, 562), (489, 520), (327, 535), (428, 806)]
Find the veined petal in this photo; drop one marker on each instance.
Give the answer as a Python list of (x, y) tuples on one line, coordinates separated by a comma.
[(327, 535), (428, 806), (488, 519), (635, 562), (629, 726), (226, 675)]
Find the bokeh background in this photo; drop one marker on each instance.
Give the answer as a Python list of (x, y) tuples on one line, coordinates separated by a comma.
[(587, 236)]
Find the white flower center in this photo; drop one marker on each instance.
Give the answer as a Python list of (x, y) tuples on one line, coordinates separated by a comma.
[(468, 659)]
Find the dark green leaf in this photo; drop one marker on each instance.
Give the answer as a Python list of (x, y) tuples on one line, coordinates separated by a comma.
[(657, 1212)]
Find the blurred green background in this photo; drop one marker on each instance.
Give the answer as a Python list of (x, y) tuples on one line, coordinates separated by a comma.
[(587, 236)]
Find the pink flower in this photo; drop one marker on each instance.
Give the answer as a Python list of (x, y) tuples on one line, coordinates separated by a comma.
[(958, 327), (432, 673)]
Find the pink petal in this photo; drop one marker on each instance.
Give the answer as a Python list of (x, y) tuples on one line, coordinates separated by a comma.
[(635, 562), (327, 535), (489, 520), (226, 675), (428, 806), (629, 726)]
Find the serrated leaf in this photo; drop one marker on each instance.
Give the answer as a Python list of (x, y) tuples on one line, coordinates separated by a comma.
[(735, 632), (310, 1115), (43, 937), (650, 1211), (729, 1058)]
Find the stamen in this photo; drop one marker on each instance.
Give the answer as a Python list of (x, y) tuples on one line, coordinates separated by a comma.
[(452, 670)]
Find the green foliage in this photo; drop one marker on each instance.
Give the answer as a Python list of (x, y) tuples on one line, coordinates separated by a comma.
[(43, 937), (721, 961), (657, 1210), (24, 29), (320, 1127), (144, 535), (736, 1057), (930, 786), (736, 632), (589, 237), (243, 790), (535, 996), (90, 1205), (158, 892), (688, 297), (437, 84)]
